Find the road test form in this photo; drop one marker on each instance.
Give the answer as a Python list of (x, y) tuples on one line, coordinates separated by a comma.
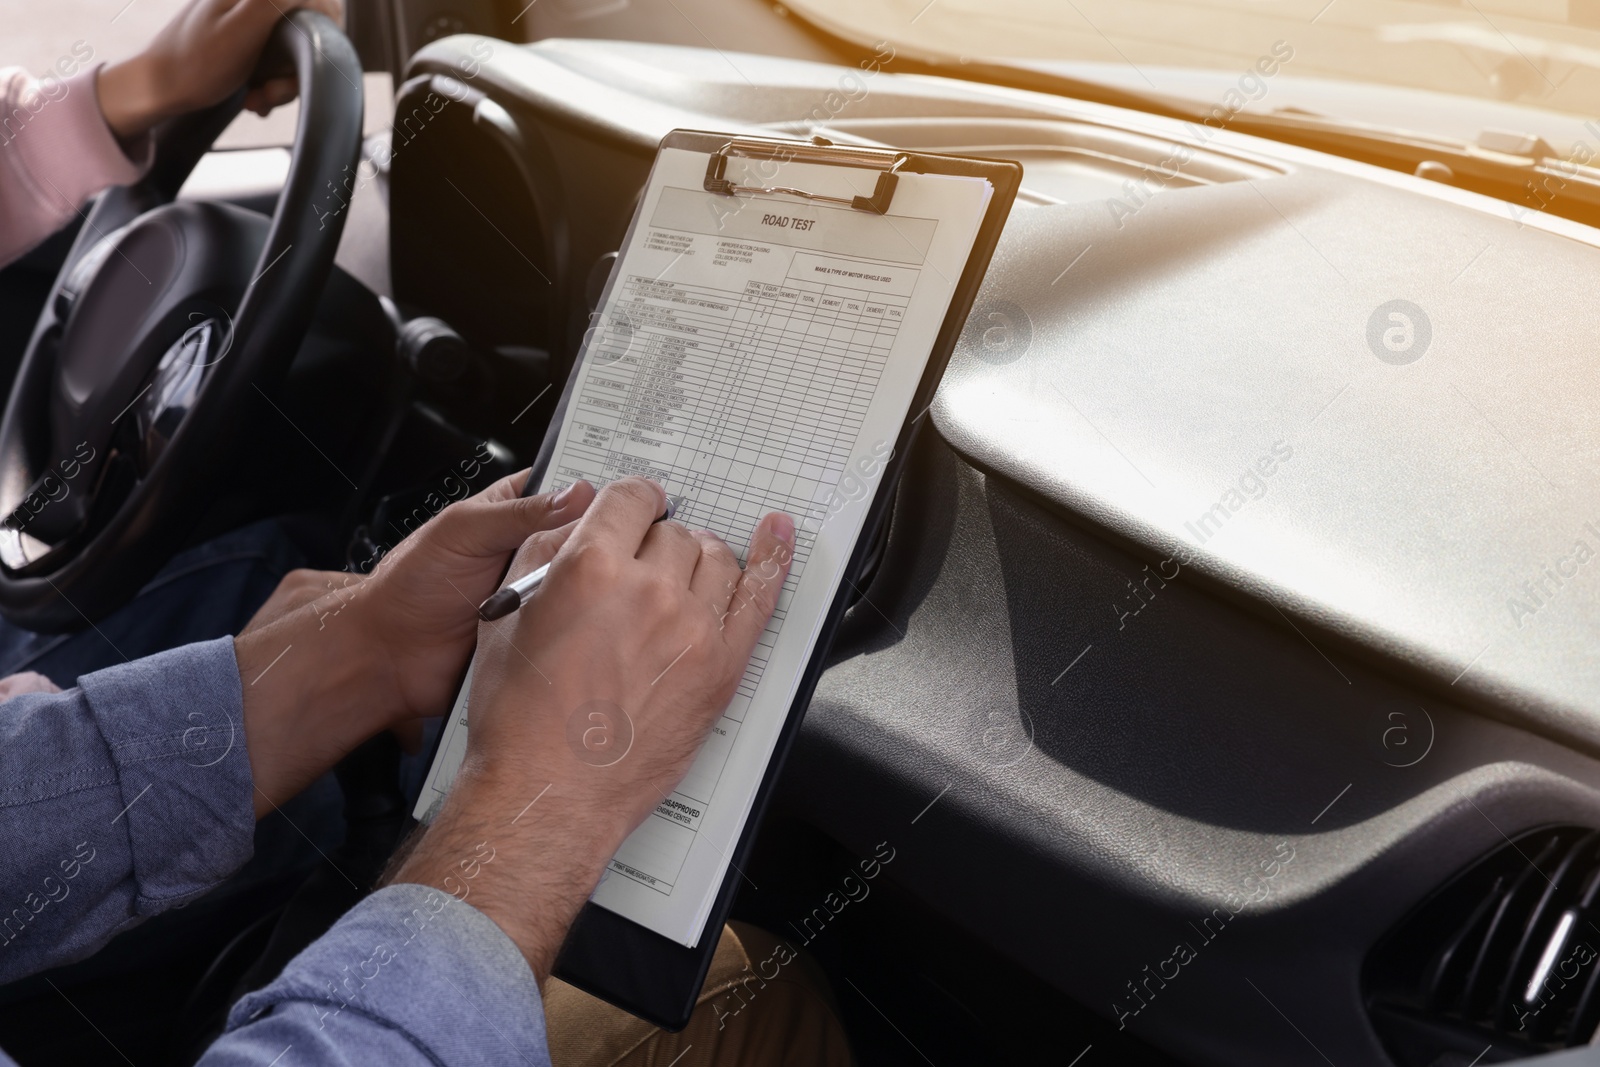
[(753, 353)]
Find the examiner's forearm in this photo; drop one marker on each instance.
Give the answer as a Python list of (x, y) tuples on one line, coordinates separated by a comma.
[(529, 866), (410, 976), (119, 800), (316, 683), (139, 790)]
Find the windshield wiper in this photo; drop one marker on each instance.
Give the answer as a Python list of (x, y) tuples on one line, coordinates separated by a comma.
[(1521, 170), (1528, 176)]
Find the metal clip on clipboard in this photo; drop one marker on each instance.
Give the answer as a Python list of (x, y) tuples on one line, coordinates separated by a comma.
[(820, 150)]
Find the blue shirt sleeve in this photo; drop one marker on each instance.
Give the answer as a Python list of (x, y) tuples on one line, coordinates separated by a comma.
[(132, 794), (411, 975), (119, 799)]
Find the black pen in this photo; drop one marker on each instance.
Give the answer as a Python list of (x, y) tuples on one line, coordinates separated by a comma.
[(515, 594)]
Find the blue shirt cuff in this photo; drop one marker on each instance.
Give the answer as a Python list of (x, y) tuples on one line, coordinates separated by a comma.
[(174, 725), (421, 964)]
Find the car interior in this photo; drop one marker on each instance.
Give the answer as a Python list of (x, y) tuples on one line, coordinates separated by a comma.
[(1218, 688)]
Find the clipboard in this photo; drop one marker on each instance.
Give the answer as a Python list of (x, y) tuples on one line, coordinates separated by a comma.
[(606, 954)]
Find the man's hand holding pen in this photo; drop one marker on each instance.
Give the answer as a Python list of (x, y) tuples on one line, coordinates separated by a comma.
[(620, 624)]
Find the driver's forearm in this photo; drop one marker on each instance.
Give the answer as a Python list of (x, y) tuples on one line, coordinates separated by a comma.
[(118, 800), (132, 97), (56, 151)]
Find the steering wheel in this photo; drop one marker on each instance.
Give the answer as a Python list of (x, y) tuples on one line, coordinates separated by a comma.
[(164, 320)]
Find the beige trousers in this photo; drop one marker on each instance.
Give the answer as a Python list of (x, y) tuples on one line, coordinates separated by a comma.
[(741, 1019)]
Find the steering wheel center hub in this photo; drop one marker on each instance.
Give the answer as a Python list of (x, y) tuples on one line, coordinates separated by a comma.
[(177, 267)]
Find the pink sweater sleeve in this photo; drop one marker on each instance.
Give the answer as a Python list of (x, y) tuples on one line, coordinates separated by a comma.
[(56, 151)]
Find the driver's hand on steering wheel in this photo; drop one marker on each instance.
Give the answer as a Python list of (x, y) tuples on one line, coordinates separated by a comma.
[(203, 55), (334, 658)]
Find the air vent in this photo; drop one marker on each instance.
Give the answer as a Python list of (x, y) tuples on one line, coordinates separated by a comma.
[(1506, 954)]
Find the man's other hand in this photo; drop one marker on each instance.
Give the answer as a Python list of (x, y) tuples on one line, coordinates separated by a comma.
[(333, 658), (589, 705)]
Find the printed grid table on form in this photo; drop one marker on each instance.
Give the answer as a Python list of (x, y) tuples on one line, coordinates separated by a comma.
[(739, 403)]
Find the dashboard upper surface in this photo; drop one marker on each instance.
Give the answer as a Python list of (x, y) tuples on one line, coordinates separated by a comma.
[(1210, 379)]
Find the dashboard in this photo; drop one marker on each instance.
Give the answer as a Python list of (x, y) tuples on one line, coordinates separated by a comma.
[(1226, 665)]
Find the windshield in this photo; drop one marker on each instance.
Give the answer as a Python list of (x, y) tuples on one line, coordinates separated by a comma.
[(1446, 67)]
